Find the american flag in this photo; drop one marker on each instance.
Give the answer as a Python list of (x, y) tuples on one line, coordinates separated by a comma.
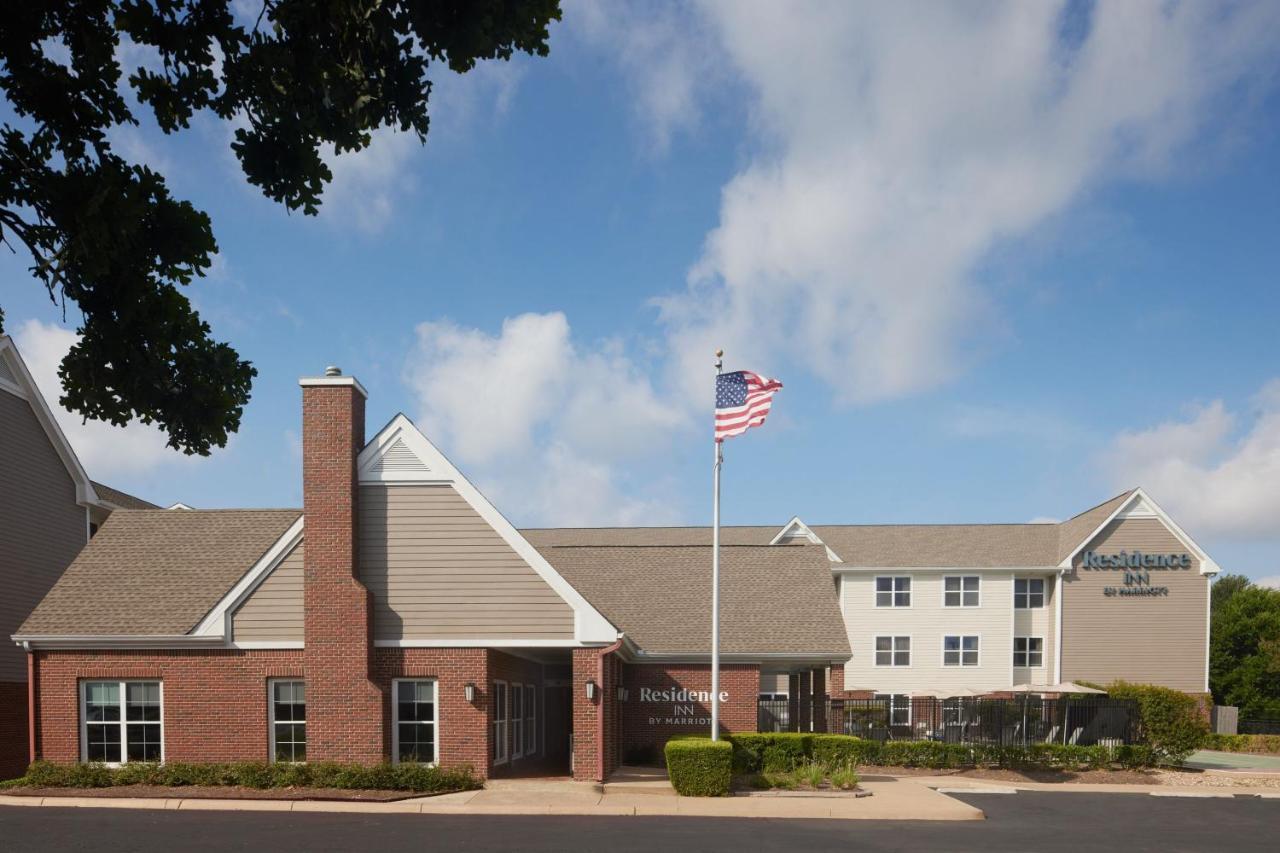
[(743, 399)]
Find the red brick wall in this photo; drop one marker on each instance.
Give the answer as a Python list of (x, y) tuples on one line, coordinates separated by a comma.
[(13, 728), (586, 757), (648, 725), (344, 708)]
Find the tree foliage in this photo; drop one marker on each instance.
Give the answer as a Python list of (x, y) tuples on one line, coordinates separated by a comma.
[(1244, 649), (106, 235)]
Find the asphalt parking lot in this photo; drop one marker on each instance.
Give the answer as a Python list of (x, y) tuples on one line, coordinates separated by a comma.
[(1026, 822)]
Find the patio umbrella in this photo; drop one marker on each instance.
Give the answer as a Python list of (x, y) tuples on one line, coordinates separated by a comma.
[(1061, 687)]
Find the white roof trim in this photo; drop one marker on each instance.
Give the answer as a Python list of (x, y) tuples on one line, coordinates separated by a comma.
[(1140, 505), (796, 529), (349, 381), (898, 570), (85, 494), (589, 625), (217, 622)]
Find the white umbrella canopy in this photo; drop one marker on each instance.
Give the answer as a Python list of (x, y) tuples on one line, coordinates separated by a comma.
[(1061, 687), (947, 693)]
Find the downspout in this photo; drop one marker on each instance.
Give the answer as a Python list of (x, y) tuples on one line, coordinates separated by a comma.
[(31, 703), (605, 652)]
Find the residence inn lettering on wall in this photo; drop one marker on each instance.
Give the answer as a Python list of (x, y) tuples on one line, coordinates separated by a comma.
[(1136, 567), (684, 705)]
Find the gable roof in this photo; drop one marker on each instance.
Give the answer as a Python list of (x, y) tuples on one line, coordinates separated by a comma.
[(120, 500), (774, 601), (1073, 531), (155, 572)]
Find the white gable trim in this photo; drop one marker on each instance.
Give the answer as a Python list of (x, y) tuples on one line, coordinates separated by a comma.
[(1140, 505), (589, 625), (26, 388), (797, 529), (217, 622)]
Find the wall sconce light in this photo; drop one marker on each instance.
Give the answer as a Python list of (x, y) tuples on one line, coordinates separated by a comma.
[(622, 694), (470, 691), (591, 690)]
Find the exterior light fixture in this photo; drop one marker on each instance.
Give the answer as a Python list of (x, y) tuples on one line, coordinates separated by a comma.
[(591, 690), (622, 693), (470, 691)]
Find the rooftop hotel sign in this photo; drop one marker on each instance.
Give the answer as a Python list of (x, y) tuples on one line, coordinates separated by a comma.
[(1137, 568)]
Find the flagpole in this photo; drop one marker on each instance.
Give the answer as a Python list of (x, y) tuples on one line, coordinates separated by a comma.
[(715, 581)]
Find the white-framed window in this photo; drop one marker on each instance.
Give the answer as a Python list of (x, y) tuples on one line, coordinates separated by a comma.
[(287, 698), (530, 720), (414, 721), (121, 721), (1028, 651), (960, 650), (961, 590), (893, 591), (517, 721), (1028, 593), (899, 707), (500, 710), (893, 651)]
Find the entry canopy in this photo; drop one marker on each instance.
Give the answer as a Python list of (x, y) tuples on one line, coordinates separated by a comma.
[(1061, 687)]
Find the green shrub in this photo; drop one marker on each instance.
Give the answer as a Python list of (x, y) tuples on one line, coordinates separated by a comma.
[(1261, 744), (700, 768), (844, 778), (253, 774), (1169, 721), (776, 752), (845, 751)]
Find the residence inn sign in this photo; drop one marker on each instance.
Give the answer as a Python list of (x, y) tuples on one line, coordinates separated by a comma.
[(1136, 567)]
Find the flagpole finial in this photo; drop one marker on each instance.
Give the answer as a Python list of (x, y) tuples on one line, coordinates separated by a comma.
[(719, 356)]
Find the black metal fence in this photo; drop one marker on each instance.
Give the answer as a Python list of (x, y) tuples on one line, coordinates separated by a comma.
[(1259, 727), (1008, 722)]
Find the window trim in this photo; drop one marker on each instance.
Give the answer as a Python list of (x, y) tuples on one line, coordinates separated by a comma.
[(271, 714), (1028, 664), (395, 719), (893, 605), (961, 664), (500, 758), (961, 605), (122, 723), (516, 722), (910, 638), (1044, 593), (531, 692)]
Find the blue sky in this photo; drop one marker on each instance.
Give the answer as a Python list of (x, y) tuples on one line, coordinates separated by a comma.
[(1007, 262)]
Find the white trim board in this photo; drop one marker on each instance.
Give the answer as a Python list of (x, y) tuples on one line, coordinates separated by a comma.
[(589, 625)]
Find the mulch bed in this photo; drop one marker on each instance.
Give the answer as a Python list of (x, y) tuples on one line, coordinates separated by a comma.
[(198, 792), (1109, 777)]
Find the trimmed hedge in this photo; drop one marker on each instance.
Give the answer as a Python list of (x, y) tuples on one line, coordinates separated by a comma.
[(699, 767), (1171, 721), (253, 774), (770, 753), (1259, 744)]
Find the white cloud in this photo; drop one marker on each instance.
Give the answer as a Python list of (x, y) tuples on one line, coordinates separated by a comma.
[(1045, 519), (105, 451), (1273, 582), (892, 148), (367, 184), (1211, 473), (548, 427)]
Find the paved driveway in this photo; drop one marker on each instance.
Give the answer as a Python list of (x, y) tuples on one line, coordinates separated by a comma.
[(1024, 822), (1207, 759)]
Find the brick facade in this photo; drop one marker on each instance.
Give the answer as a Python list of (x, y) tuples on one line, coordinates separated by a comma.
[(647, 725), (344, 706)]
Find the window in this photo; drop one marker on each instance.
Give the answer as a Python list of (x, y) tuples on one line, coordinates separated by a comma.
[(893, 651), (961, 590), (414, 722), (122, 721), (1028, 593), (893, 591), (1028, 651), (499, 722), (517, 721), (960, 651), (530, 720), (288, 721), (899, 708)]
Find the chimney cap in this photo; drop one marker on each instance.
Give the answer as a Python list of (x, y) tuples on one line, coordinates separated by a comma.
[(333, 370)]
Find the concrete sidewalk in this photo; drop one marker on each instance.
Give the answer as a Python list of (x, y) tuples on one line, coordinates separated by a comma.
[(890, 800)]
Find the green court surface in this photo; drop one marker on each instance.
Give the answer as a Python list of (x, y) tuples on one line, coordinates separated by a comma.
[(1207, 759)]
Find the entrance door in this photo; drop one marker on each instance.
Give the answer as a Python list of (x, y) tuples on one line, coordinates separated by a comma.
[(558, 721)]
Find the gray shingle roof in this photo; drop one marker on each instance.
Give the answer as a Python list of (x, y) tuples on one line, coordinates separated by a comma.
[(156, 571), (123, 500), (773, 600)]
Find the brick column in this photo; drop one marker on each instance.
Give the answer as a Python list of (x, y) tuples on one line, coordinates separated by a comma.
[(344, 707), (586, 755), (819, 700), (835, 684)]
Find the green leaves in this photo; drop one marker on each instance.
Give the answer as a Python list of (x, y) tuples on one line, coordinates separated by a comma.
[(1244, 649), (107, 236)]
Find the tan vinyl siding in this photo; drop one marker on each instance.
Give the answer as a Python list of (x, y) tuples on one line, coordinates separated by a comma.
[(274, 610), (437, 570), (41, 526), (1157, 640)]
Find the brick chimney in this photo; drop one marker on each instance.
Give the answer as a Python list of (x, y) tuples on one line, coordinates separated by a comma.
[(344, 708)]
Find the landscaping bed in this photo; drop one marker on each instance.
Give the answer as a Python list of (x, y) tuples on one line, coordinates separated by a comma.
[(221, 792), (996, 774)]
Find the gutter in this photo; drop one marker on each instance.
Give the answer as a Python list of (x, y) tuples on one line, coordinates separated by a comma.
[(117, 641), (600, 709), (31, 703)]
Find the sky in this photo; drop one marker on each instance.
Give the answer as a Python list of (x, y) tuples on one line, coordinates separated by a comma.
[(1008, 259)]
